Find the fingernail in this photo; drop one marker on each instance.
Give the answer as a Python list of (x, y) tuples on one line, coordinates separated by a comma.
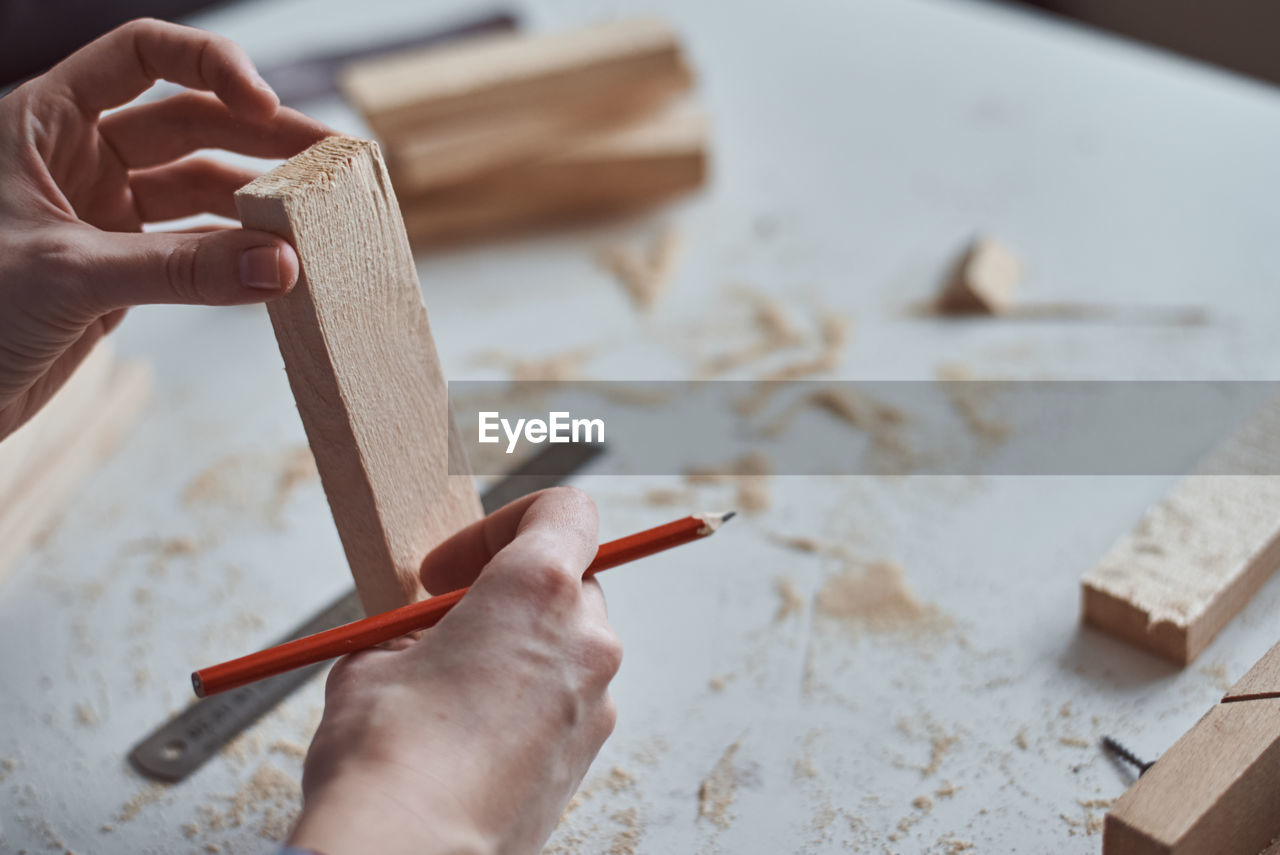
[(260, 268)]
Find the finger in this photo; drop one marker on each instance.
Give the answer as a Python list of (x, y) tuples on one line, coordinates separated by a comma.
[(188, 187), (116, 68), (219, 268), (156, 133), (458, 561)]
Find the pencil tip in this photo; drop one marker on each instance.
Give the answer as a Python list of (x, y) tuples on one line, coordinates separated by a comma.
[(711, 522)]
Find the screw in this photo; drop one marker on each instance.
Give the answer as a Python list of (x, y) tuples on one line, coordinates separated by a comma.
[(1118, 750)]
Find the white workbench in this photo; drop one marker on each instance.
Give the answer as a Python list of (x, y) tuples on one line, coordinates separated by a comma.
[(857, 146)]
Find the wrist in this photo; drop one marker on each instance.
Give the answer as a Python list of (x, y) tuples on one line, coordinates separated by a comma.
[(354, 817)]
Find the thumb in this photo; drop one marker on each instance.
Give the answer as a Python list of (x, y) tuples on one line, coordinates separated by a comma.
[(219, 268)]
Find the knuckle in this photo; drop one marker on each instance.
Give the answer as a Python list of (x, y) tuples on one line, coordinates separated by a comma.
[(607, 716), (551, 583), (602, 651), (180, 267)]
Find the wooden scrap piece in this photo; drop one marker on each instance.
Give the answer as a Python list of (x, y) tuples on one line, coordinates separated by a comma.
[(43, 462), (604, 175), (983, 280), (362, 364), (1200, 554), (1214, 791), (449, 114)]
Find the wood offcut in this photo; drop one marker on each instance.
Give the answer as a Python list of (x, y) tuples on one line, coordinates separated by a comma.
[(1195, 559), (362, 364), (1214, 791)]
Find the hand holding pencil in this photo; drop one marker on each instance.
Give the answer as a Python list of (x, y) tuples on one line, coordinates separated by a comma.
[(509, 688)]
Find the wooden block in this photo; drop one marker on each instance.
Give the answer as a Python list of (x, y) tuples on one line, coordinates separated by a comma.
[(1213, 792), (1196, 558), (449, 114), (608, 175), (983, 281), (44, 461), (363, 366)]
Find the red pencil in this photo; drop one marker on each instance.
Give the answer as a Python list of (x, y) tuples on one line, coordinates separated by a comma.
[(371, 631)]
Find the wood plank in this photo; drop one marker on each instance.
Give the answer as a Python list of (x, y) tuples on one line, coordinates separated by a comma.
[(44, 461), (1212, 793), (450, 114), (607, 175), (1196, 558), (362, 364)]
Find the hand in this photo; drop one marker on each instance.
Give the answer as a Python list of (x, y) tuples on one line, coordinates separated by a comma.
[(473, 738), (76, 188)]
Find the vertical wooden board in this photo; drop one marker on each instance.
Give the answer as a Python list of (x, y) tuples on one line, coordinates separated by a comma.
[(362, 364), (1198, 556), (1213, 793)]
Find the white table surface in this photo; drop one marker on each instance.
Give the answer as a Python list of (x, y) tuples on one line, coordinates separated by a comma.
[(875, 137)]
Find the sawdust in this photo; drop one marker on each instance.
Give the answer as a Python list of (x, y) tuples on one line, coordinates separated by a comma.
[(1218, 676), (86, 715), (1074, 741), (298, 466), (1021, 740), (272, 795), (148, 795), (717, 684), (833, 337), (719, 790), (951, 846), (7, 765), (790, 600), (190, 829), (627, 840), (644, 273), (939, 744), (970, 400), (774, 331), (289, 748), (749, 474), (665, 497), (946, 791), (874, 596)]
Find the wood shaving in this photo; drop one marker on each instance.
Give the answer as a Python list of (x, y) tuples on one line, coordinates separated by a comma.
[(774, 329), (717, 684), (833, 336), (946, 791), (644, 274), (665, 497), (749, 473), (719, 789), (1021, 739), (1074, 741), (86, 715), (970, 400), (790, 600)]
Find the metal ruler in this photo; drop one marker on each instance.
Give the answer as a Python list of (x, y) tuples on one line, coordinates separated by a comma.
[(176, 749)]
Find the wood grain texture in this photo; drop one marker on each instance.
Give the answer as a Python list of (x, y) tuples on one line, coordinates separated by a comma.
[(362, 364), (1196, 558), (450, 114), (606, 175), (44, 461), (1213, 792)]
